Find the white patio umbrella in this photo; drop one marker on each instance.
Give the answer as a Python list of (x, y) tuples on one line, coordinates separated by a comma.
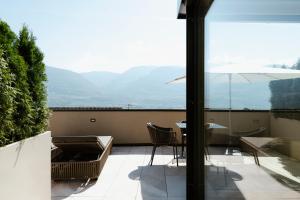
[(249, 74)]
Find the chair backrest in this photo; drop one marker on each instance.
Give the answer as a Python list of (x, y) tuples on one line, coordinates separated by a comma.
[(160, 135), (258, 131), (183, 130), (255, 132), (152, 132)]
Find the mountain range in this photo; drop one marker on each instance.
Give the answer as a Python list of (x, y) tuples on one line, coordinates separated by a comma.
[(138, 87), (146, 87)]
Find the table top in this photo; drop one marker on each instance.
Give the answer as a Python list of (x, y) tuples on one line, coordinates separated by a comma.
[(216, 126), (181, 125), (211, 125)]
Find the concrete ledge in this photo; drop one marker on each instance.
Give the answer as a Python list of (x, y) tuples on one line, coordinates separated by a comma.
[(25, 169)]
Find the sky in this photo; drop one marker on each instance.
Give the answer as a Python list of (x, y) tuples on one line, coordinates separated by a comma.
[(252, 44), (244, 46), (115, 35), (258, 42), (101, 35)]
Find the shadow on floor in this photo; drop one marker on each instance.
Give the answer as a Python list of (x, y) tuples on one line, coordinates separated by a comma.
[(220, 183), (160, 181), (218, 177)]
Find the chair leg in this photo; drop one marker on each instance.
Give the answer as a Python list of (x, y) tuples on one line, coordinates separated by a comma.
[(176, 155), (257, 161), (152, 156), (174, 151), (182, 145), (206, 152)]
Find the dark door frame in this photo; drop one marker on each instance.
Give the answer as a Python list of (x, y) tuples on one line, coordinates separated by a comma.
[(195, 40)]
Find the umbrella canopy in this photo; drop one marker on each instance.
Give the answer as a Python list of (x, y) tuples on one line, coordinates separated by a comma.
[(254, 74), (250, 74)]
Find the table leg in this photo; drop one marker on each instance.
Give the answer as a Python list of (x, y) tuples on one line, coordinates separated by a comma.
[(182, 145)]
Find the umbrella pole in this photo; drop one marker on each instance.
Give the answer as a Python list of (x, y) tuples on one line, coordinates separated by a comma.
[(228, 151)]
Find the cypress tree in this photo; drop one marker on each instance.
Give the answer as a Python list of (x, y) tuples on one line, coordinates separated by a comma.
[(23, 100), (22, 115), (33, 57), (7, 95)]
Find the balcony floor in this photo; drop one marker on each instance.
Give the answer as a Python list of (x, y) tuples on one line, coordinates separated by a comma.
[(126, 175), (237, 177)]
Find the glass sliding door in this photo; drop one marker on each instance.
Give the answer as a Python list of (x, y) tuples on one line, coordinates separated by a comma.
[(252, 95)]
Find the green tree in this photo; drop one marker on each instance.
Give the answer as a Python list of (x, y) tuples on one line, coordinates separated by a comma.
[(7, 95), (36, 74), (23, 100), (22, 115)]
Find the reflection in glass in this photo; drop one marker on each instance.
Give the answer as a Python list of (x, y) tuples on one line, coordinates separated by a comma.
[(251, 62)]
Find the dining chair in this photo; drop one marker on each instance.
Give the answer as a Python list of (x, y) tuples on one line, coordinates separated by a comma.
[(161, 136)]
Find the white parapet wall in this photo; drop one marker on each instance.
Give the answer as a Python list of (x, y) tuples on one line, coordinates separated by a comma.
[(129, 127), (25, 169), (124, 126), (240, 121), (286, 128)]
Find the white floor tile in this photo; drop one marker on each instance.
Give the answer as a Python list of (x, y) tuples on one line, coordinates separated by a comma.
[(176, 186)]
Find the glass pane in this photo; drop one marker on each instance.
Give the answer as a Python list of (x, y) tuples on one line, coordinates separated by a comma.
[(252, 90)]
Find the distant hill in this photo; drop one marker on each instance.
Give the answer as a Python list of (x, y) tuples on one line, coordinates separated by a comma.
[(145, 87), (67, 82), (67, 88), (100, 79), (141, 87), (148, 86)]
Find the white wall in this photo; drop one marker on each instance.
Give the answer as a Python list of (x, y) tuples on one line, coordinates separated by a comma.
[(25, 169), (123, 126), (241, 121), (286, 128), (130, 126)]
